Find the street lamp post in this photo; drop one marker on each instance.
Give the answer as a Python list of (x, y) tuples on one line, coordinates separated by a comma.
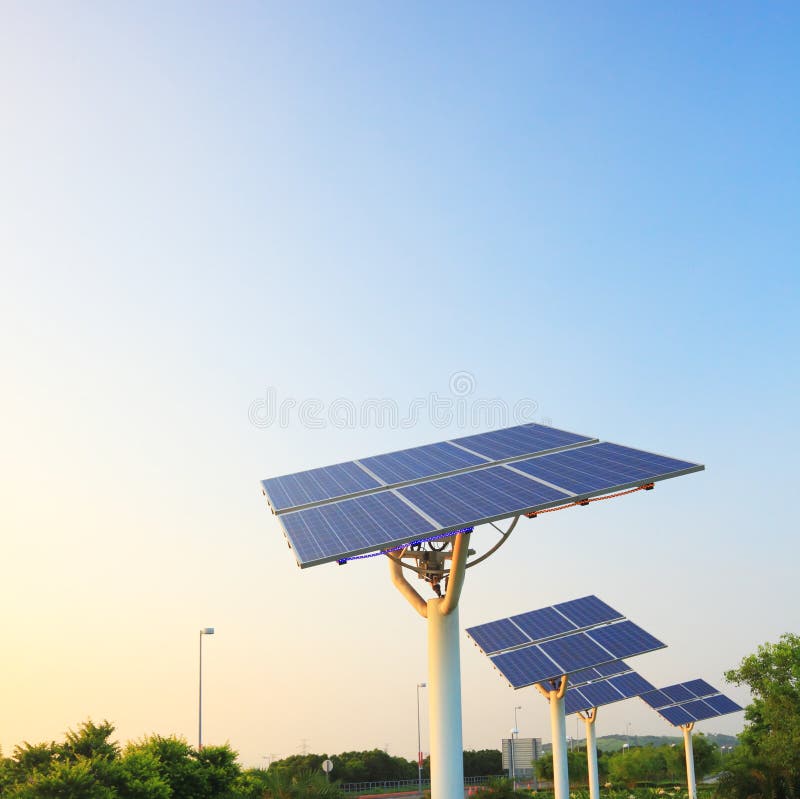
[(419, 740), (203, 631), (514, 732)]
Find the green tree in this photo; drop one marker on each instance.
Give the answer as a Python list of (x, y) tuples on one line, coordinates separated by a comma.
[(483, 762), (768, 761)]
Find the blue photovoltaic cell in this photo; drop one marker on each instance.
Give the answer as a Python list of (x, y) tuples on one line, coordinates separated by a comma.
[(615, 667), (600, 672), (526, 666), (315, 485), (601, 693), (575, 701), (585, 675), (675, 715), (656, 699), (598, 468), (543, 623), (521, 440), (420, 462), (699, 709), (604, 692), (678, 693), (722, 704), (588, 611), (497, 635), (700, 688), (575, 652), (485, 494), (625, 639), (352, 526), (631, 684)]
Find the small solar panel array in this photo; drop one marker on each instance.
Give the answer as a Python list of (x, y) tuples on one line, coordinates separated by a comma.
[(605, 692), (401, 497), (691, 701), (569, 638)]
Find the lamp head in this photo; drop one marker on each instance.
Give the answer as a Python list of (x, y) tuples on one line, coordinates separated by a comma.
[(207, 631)]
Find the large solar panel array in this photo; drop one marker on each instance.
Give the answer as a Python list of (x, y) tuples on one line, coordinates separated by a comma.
[(691, 701), (605, 692), (573, 638), (387, 500)]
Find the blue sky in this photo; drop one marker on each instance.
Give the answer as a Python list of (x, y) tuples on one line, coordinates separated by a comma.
[(590, 206)]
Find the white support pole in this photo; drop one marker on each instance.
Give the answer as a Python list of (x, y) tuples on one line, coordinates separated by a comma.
[(558, 730), (688, 749), (444, 702), (591, 754)]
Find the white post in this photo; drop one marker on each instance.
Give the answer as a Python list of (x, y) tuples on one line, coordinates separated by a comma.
[(444, 702), (591, 754), (558, 730), (689, 752)]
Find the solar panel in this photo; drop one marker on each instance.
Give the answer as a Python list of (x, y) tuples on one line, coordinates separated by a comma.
[(343, 480), (723, 705), (575, 701), (526, 666), (615, 667), (672, 704), (599, 468), (315, 485), (496, 636), (485, 494), (678, 693), (588, 611), (577, 653), (700, 688), (522, 440), (676, 715), (420, 462), (600, 672), (543, 623), (631, 684), (625, 639), (333, 528), (354, 525), (656, 699), (601, 693)]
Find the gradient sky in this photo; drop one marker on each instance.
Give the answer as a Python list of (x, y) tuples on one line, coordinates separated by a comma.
[(591, 207)]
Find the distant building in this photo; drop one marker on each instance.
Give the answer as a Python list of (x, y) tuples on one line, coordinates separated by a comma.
[(526, 750)]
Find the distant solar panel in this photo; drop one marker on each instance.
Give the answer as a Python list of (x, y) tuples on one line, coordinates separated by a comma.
[(588, 611), (625, 639), (495, 636), (704, 702), (605, 692), (323, 526), (676, 715), (577, 653), (631, 684), (526, 666), (543, 623), (678, 693)]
